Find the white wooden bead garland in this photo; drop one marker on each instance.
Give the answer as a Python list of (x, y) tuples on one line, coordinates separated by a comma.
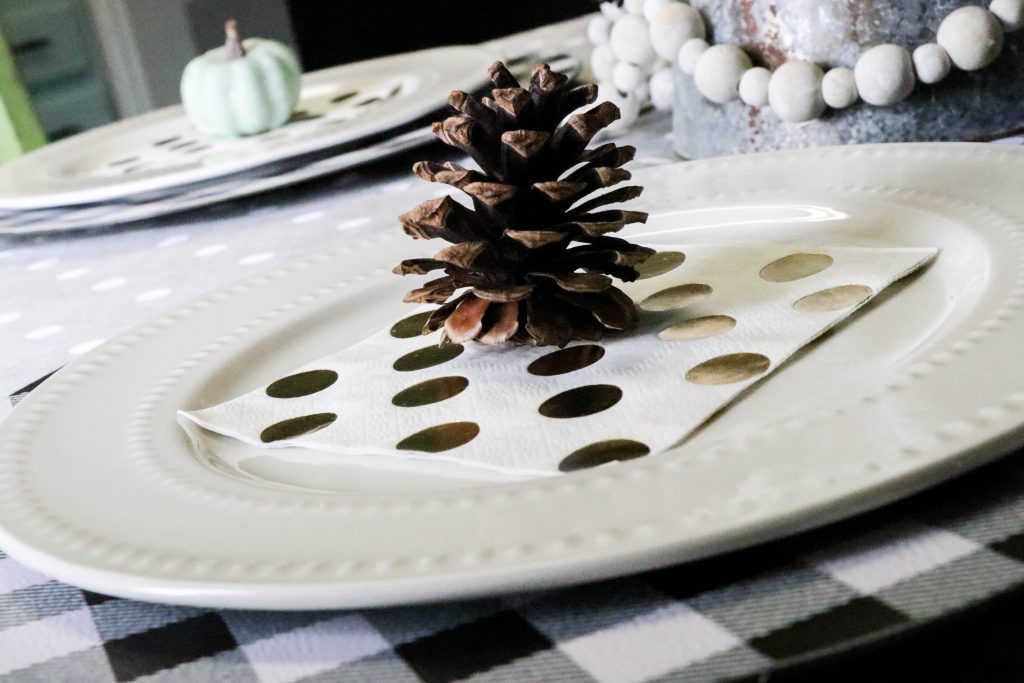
[(637, 40), (630, 40), (636, 43), (662, 88), (672, 24)]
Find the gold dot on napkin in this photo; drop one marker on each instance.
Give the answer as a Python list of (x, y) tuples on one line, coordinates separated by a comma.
[(730, 368)]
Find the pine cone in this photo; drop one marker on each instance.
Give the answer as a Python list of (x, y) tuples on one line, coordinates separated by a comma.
[(530, 263)]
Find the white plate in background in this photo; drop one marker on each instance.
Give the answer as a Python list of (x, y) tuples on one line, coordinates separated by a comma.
[(162, 150)]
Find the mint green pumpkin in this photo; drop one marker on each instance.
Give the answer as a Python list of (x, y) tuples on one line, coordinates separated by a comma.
[(242, 88)]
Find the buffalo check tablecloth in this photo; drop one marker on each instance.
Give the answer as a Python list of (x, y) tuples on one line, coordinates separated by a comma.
[(744, 615)]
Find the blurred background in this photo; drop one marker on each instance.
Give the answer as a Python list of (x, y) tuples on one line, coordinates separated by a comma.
[(89, 62)]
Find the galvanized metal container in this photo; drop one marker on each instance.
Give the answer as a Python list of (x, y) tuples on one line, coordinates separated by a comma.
[(965, 106)]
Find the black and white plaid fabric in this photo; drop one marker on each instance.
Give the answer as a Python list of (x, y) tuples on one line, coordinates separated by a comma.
[(741, 615)]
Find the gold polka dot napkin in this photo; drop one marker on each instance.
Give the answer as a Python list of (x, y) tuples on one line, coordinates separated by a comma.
[(715, 319)]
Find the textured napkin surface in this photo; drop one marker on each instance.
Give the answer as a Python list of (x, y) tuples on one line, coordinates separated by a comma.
[(711, 326)]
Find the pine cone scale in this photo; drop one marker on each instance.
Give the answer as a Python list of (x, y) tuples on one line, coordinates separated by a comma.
[(461, 255), (619, 194), (504, 325), (526, 142), (504, 294), (418, 266), (560, 190), (434, 292), (534, 239), (577, 282), (490, 194), (466, 321), (547, 324)]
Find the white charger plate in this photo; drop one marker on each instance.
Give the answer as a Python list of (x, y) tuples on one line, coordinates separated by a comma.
[(99, 486), (162, 150)]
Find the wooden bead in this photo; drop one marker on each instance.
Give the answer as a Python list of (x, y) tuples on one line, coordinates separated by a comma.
[(630, 40), (931, 62), (884, 75), (643, 91), (628, 104), (611, 10), (1010, 13), (689, 53), (672, 25), (599, 30), (652, 6), (972, 36), (718, 72), (629, 108), (602, 63), (839, 88), (662, 89), (754, 86), (633, 6), (627, 77), (794, 92)]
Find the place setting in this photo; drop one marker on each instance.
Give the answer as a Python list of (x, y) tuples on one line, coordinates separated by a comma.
[(689, 360)]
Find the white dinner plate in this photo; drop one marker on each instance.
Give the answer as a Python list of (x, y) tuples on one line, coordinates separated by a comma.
[(106, 214), (162, 150), (100, 487)]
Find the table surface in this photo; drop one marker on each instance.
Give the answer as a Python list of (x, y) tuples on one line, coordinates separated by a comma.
[(743, 614)]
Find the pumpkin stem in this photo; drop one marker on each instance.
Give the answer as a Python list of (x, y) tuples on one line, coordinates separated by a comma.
[(233, 44)]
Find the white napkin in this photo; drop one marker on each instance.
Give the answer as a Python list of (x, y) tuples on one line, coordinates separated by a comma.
[(737, 314)]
